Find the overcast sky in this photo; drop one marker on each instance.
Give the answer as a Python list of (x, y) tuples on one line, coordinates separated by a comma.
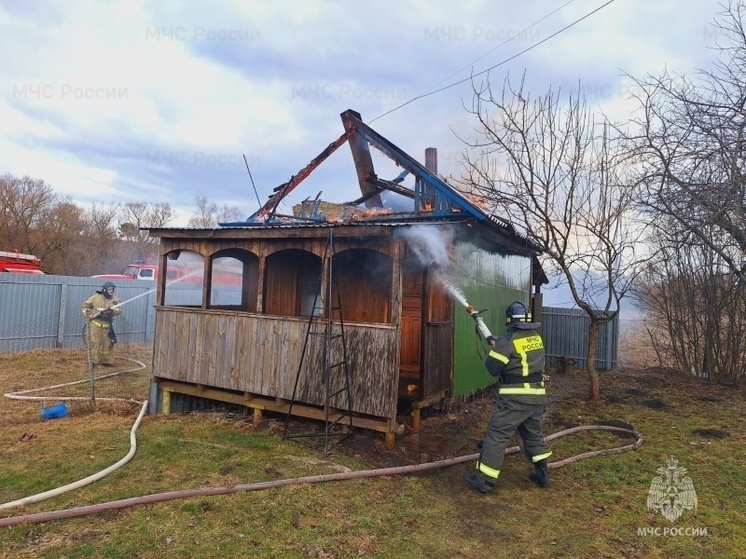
[(133, 101)]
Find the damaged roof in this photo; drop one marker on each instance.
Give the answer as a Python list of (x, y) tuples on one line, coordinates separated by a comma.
[(434, 201)]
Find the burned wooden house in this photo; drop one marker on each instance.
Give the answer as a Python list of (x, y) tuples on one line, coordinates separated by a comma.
[(354, 315)]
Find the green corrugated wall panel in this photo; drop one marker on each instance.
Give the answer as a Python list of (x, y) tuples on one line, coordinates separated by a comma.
[(487, 280)]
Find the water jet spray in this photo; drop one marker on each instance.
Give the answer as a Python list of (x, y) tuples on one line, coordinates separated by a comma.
[(169, 282)]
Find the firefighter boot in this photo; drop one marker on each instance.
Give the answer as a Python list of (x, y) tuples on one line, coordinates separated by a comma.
[(480, 481), (540, 475)]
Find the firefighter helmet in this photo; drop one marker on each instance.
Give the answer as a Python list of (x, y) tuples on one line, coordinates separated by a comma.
[(107, 290), (516, 313)]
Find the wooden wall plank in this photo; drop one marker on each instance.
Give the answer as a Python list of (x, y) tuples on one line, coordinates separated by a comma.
[(266, 361), (437, 363)]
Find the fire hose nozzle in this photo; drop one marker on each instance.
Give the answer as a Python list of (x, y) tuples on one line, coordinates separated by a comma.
[(481, 326), (474, 312)]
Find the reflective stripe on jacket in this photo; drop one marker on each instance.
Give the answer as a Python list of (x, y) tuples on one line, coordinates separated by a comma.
[(518, 354), (97, 303)]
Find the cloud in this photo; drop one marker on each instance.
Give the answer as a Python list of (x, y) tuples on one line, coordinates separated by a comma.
[(131, 100)]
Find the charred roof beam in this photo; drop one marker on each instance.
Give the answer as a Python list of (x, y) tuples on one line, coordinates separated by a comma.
[(363, 164), (352, 121), (391, 186), (267, 211), (380, 186)]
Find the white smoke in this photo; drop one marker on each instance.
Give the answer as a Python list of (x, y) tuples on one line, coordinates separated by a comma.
[(431, 243), (397, 202)]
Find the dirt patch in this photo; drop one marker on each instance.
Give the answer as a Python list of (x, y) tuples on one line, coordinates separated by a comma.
[(465, 418), (711, 433), (462, 418), (654, 404), (709, 399)]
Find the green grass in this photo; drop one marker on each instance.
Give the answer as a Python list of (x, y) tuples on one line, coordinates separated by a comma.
[(594, 508)]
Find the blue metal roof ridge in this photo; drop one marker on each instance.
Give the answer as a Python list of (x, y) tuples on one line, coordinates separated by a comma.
[(412, 165)]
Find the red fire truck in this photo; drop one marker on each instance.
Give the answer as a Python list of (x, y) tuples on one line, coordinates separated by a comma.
[(17, 263), (138, 270), (148, 270)]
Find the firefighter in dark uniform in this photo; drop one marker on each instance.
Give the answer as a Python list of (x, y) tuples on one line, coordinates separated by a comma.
[(517, 358), (99, 309)]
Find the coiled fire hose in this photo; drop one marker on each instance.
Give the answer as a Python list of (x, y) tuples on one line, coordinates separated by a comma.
[(25, 395), (223, 490)]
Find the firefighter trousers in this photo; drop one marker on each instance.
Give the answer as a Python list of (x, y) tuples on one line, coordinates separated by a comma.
[(102, 348), (509, 416)]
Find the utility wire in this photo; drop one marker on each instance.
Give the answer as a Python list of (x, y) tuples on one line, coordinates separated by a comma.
[(471, 77), (505, 42)]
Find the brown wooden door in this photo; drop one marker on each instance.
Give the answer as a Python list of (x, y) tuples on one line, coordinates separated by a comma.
[(411, 324)]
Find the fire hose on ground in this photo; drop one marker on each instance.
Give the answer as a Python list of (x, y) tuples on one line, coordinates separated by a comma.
[(25, 395), (398, 470), (258, 486)]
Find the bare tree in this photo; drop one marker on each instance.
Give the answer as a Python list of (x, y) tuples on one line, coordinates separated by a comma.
[(25, 204), (68, 239), (229, 214), (101, 220), (36, 221), (136, 218), (58, 239), (690, 138), (552, 170), (209, 214), (159, 215), (205, 213), (689, 291), (104, 251), (692, 147)]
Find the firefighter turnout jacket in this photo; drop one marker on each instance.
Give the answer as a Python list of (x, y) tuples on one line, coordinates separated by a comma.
[(97, 303), (518, 360)]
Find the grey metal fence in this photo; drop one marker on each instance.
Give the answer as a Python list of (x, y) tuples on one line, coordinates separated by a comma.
[(565, 333), (43, 311)]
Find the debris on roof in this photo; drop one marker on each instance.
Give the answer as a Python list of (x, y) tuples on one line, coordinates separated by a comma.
[(432, 199)]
